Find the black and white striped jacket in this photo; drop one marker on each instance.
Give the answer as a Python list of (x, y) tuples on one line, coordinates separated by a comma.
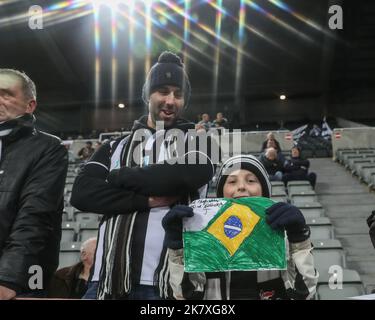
[(126, 210)]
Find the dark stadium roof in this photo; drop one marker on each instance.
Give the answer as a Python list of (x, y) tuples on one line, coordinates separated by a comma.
[(287, 48)]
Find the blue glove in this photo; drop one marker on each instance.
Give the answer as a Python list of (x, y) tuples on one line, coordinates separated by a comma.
[(285, 216), (172, 224)]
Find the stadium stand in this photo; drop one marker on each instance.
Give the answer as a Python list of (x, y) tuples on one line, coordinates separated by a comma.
[(347, 203), (329, 289), (335, 211)]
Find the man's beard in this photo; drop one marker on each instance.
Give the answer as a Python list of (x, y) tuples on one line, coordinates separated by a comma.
[(168, 115)]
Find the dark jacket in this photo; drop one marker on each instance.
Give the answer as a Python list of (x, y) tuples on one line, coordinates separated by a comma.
[(66, 283), (32, 176), (297, 166), (272, 166)]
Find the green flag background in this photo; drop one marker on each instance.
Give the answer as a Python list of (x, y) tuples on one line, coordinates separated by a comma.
[(207, 248)]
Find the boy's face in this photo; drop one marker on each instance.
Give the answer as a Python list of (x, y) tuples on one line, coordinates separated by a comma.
[(242, 183)]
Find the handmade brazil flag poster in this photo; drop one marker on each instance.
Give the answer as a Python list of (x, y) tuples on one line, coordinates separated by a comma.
[(232, 234)]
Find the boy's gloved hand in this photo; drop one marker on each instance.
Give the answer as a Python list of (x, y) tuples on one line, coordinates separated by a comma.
[(285, 216), (172, 224)]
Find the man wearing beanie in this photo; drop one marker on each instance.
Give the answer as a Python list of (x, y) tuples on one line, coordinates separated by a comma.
[(123, 182), (245, 176)]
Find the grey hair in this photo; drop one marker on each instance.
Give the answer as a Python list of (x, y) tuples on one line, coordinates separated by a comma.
[(28, 85), (85, 244)]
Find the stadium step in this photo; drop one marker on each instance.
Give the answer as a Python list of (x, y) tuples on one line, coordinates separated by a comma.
[(348, 203), (347, 210), (362, 266), (369, 278), (356, 241), (350, 225), (357, 252)]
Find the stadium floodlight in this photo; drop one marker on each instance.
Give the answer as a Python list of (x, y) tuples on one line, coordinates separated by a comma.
[(121, 105), (283, 97)]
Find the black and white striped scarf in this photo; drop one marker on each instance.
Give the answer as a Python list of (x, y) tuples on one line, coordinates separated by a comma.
[(115, 277)]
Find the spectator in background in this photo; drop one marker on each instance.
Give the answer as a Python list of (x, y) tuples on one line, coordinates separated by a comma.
[(315, 131), (204, 123), (97, 145), (86, 152), (71, 155), (297, 169), (71, 282), (273, 165), (220, 121), (326, 130), (33, 171), (271, 142)]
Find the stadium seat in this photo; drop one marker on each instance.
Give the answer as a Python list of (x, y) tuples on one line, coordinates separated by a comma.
[(281, 194), (328, 285), (349, 160), (295, 187), (303, 197), (366, 152), (311, 210), (366, 172), (372, 182), (71, 212), (64, 216), (328, 252), (71, 174), (321, 228), (69, 180), (278, 187), (83, 217), (68, 188), (357, 164), (297, 183), (67, 200), (342, 152), (88, 230), (68, 231), (279, 198), (69, 254)]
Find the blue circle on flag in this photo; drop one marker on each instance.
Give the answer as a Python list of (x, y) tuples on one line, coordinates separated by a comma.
[(232, 227)]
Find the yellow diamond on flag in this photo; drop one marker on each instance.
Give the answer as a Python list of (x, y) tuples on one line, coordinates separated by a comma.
[(233, 226)]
